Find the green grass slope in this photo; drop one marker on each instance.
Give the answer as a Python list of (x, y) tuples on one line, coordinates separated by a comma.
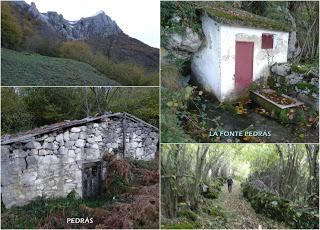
[(24, 69)]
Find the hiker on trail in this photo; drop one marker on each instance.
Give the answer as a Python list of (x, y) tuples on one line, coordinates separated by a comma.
[(229, 182)]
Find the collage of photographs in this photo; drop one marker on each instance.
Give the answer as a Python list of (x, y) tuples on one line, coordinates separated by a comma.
[(150, 114)]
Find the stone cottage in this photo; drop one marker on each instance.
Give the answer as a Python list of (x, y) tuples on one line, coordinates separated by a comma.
[(238, 48), (54, 160)]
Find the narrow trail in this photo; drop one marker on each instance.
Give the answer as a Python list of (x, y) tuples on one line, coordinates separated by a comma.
[(240, 213)]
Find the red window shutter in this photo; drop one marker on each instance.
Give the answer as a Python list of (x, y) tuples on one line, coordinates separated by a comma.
[(267, 41)]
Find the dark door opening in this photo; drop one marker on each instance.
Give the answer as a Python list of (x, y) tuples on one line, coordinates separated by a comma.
[(244, 65), (91, 179)]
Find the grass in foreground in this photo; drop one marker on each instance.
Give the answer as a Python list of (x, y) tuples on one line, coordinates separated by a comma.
[(32, 69)]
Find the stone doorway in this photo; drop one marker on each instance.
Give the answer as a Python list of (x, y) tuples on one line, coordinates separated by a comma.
[(91, 179)]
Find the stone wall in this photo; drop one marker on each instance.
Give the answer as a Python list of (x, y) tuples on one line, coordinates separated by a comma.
[(50, 165), (299, 81)]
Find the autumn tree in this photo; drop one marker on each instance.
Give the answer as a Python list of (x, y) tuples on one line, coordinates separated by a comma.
[(11, 34)]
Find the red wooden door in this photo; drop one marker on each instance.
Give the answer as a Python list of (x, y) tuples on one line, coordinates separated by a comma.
[(244, 65)]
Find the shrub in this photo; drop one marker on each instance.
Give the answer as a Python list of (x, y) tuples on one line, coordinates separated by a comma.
[(11, 34), (15, 116), (126, 73), (188, 214), (75, 50), (171, 104)]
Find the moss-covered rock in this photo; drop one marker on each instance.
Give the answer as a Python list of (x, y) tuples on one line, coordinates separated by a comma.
[(277, 208), (216, 212), (214, 189), (211, 195), (188, 214)]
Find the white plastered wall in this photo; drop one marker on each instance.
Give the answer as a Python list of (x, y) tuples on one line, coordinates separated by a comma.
[(205, 63), (262, 58), (214, 64)]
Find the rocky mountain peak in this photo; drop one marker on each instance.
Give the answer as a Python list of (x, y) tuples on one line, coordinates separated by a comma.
[(98, 13), (98, 25)]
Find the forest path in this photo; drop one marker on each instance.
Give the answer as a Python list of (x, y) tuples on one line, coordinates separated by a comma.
[(240, 214)]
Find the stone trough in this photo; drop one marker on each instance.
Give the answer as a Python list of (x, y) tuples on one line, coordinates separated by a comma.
[(270, 105)]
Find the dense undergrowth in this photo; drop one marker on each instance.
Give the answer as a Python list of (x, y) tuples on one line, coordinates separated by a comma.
[(208, 215), (183, 110), (130, 200)]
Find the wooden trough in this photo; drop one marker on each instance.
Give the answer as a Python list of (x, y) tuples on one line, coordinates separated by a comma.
[(271, 105)]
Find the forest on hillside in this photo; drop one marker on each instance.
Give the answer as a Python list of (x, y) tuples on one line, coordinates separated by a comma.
[(27, 108), (190, 110), (274, 186)]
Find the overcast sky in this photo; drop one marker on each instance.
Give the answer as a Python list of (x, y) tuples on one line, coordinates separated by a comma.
[(137, 18)]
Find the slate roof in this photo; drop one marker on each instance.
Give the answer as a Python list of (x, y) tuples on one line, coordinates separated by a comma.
[(238, 17), (30, 134)]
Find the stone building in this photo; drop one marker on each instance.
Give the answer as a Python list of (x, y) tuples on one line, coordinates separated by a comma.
[(238, 48), (54, 160)]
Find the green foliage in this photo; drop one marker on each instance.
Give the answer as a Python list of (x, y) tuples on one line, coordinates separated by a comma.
[(171, 103), (188, 214), (139, 101), (75, 50), (309, 219), (280, 209), (245, 19), (307, 86), (214, 189), (228, 106), (26, 108), (300, 117), (14, 116), (126, 73), (35, 214), (256, 7), (190, 17), (300, 68), (283, 115), (36, 70), (211, 195), (186, 11), (11, 34), (216, 212), (182, 225)]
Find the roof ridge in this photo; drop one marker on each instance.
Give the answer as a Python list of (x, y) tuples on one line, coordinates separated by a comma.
[(240, 17), (29, 135)]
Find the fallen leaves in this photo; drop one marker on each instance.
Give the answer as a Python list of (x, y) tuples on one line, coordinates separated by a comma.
[(281, 100)]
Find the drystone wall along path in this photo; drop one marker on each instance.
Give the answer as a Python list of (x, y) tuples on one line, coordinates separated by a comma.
[(240, 213)]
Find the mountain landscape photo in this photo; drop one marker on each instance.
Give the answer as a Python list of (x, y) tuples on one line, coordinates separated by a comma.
[(47, 49)]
